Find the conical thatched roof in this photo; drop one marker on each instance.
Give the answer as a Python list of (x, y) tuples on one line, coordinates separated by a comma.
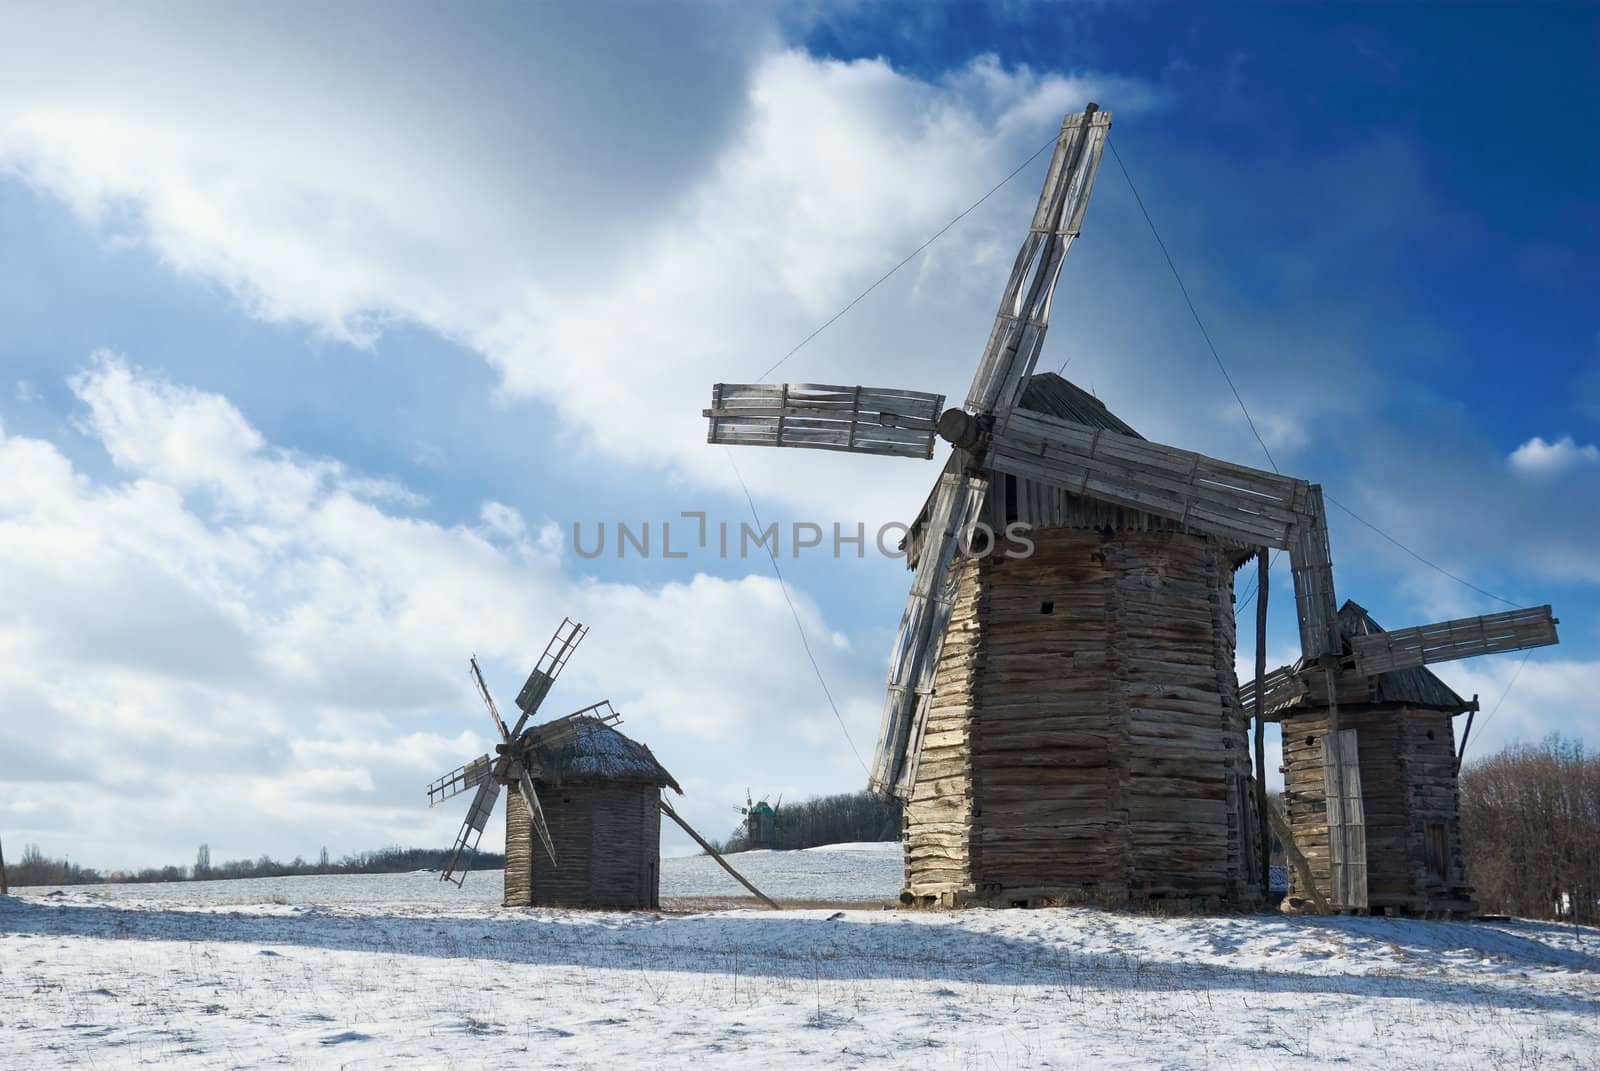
[(587, 749)]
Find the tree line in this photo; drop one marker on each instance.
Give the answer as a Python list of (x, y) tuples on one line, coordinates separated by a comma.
[(1530, 829), (35, 868), (845, 818)]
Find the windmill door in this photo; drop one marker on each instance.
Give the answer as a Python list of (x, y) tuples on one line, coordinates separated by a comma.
[(1347, 828)]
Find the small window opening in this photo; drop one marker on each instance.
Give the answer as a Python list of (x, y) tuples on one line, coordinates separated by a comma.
[(1430, 734), (1047, 607), (1310, 740)]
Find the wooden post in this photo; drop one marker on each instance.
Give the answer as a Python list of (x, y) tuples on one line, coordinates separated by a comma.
[(1472, 712), (666, 809), (1333, 792), (4, 888), (1264, 566)]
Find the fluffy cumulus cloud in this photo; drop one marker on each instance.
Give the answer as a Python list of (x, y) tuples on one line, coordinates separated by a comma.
[(227, 642), (612, 237), (1539, 458)]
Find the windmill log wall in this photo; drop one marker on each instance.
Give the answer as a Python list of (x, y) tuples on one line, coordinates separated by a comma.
[(1409, 805), (607, 836), (1085, 739)]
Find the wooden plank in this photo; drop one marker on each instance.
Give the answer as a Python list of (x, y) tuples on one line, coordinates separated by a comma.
[(1347, 846)]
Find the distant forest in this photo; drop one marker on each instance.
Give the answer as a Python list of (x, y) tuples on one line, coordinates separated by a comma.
[(1530, 828), (843, 819), (36, 869)]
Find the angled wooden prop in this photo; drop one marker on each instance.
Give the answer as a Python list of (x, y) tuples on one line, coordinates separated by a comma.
[(666, 809)]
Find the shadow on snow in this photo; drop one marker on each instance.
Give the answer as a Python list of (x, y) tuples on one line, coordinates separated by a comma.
[(907, 948)]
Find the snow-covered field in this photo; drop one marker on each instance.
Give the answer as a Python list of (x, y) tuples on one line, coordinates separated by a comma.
[(863, 873), (108, 977)]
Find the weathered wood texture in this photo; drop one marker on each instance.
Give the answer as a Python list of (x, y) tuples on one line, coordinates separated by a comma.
[(1409, 806), (1446, 641), (607, 836), (819, 416), (1085, 737)]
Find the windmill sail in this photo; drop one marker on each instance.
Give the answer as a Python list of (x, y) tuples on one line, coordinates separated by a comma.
[(471, 831), (568, 635), (915, 657), (1446, 641), (1019, 327), (459, 780), (819, 416), (1378, 652), (530, 799), (1232, 501)]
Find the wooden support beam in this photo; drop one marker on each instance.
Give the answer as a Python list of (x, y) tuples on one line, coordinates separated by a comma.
[(1466, 732), (1296, 860), (666, 809), (5, 889), (1263, 567)]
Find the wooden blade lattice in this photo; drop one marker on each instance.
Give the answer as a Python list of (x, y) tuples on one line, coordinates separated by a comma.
[(915, 658), (458, 780), (1446, 641), (530, 799), (818, 416), (471, 831), (556, 653), (1019, 328)]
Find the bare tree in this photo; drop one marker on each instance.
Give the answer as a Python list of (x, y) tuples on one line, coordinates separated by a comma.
[(1530, 818)]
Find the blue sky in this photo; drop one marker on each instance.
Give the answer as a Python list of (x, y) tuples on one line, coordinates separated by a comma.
[(319, 332)]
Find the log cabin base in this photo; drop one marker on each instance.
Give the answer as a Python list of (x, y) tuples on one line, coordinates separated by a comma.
[(1085, 743)]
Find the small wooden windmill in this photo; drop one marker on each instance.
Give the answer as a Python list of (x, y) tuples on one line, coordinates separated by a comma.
[(973, 825), (1382, 832), (602, 830)]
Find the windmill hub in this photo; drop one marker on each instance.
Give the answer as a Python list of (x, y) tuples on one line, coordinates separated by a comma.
[(964, 431)]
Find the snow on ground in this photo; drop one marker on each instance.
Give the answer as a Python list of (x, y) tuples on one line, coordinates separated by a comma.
[(110, 981)]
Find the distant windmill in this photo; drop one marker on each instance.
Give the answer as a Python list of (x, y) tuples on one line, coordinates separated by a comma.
[(760, 821), (1083, 730)]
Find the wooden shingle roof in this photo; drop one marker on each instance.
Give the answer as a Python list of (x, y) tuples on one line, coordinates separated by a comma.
[(1416, 687)]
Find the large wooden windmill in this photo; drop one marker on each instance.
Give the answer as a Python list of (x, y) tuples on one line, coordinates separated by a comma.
[(1065, 757)]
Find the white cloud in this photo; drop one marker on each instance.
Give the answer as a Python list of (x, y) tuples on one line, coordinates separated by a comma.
[(267, 661), (345, 197), (1525, 700), (1539, 458)]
